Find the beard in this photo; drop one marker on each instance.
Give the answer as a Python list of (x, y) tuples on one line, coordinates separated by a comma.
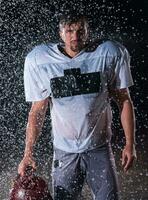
[(76, 46)]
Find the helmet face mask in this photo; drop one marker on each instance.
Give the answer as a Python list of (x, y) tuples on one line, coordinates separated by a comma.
[(29, 188)]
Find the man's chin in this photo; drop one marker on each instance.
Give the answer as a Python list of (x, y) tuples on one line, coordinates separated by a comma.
[(76, 48)]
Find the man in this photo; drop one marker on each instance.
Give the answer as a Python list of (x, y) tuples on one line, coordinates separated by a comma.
[(78, 80)]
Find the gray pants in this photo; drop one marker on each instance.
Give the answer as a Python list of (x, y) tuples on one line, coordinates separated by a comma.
[(96, 167)]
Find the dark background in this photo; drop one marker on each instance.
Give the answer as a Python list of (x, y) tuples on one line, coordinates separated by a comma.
[(25, 24)]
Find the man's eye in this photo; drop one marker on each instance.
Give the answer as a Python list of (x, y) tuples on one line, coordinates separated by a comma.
[(69, 31), (82, 31)]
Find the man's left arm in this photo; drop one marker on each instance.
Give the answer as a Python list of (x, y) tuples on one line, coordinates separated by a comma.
[(123, 100)]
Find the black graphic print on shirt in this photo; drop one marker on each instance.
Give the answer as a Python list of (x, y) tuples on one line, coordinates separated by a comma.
[(74, 83)]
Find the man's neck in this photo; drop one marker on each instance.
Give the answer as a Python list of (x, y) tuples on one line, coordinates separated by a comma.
[(71, 53)]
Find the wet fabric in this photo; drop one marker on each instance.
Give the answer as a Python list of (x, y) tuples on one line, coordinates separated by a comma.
[(96, 167), (79, 91)]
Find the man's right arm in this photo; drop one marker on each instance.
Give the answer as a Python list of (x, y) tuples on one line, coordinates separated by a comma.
[(35, 122)]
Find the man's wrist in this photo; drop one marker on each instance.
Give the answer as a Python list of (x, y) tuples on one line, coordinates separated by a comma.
[(130, 141), (130, 144), (28, 153)]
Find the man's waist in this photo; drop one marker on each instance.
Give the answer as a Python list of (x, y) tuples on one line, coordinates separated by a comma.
[(79, 145)]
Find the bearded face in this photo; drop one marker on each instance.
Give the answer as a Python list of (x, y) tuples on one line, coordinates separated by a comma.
[(74, 36)]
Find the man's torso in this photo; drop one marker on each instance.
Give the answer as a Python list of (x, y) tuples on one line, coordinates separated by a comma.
[(78, 87)]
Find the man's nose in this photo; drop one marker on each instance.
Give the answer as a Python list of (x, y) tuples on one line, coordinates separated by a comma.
[(76, 35)]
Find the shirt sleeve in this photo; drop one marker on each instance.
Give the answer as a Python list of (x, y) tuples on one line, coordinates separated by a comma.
[(122, 77), (35, 85)]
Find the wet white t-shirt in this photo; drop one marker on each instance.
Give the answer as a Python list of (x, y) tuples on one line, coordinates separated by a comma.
[(78, 87)]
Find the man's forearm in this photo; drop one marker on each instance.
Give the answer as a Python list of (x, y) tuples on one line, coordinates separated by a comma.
[(128, 121), (34, 126), (32, 132), (123, 100)]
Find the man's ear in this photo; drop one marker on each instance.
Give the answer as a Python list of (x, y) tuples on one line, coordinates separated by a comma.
[(61, 35), (87, 34)]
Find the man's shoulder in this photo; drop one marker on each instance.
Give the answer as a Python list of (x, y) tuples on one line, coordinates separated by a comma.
[(110, 46), (40, 50), (113, 48), (103, 45), (39, 53)]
